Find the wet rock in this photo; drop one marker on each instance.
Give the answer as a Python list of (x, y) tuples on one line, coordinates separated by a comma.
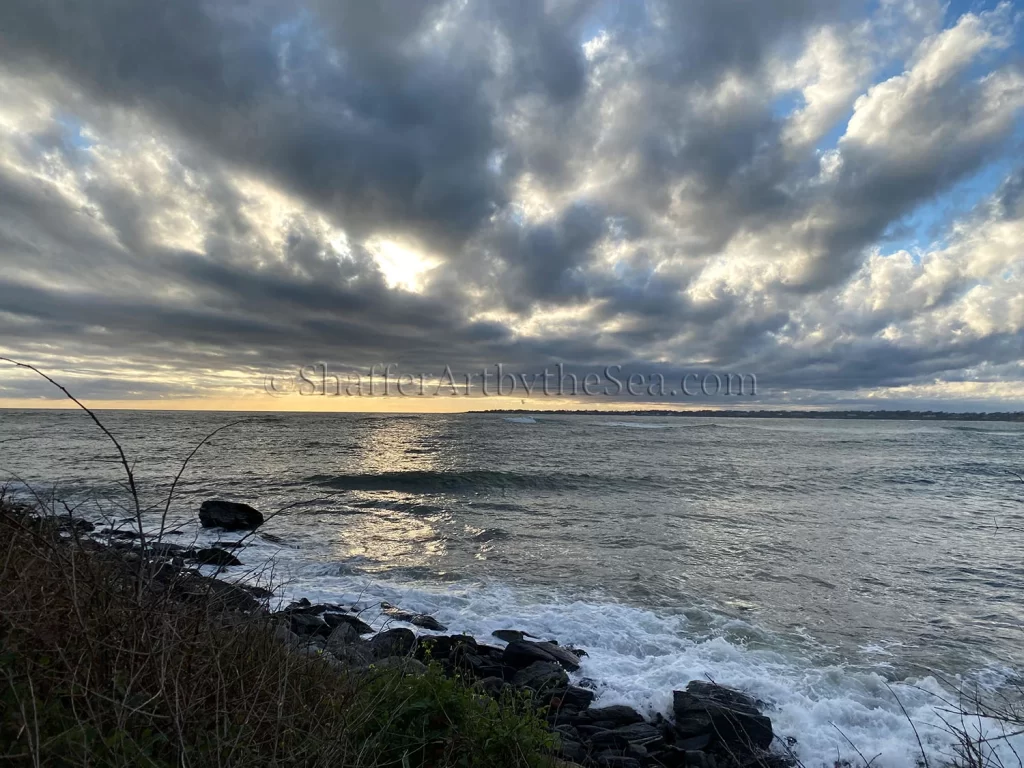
[(393, 642), (337, 619), (521, 653), (510, 635), (728, 717), (571, 696), (214, 556), (229, 544), (229, 515), (417, 619), (541, 676)]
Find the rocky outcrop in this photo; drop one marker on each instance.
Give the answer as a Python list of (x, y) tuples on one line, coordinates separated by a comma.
[(712, 726), (229, 515)]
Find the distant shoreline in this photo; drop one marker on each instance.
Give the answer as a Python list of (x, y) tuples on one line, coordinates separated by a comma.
[(1015, 416)]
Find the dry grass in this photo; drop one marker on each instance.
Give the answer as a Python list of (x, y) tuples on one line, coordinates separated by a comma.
[(95, 671)]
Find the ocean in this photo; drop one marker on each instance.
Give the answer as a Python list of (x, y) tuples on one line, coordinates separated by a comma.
[(840, 571)]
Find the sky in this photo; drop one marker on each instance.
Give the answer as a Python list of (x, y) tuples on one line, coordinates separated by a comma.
[(199, 200)]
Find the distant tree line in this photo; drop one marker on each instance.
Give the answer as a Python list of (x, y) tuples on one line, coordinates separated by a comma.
[(1017, 416)]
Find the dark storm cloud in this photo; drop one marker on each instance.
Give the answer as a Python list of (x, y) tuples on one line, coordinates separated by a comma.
[(595, 182)]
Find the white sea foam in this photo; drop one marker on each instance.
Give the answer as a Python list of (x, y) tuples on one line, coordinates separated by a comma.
[(521, 419), (633, 425), (637, 657)]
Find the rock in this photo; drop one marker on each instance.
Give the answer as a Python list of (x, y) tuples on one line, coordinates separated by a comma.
[(338, 619), (617, 761), (165, 549), (407, 665), (417, 619), (492, 686), (305, 626), (510, 635), (342, 635), (193, 587), (74, 524), (285, 636), (229, 544), (434, 648), (728, 717), (355, 654), (619, 714), (567, 658), (571, 696), (230, 515), (675, 757), (393, 642), (541, 676), (572, 749), (522, 653), (644, 734), (214, 556)]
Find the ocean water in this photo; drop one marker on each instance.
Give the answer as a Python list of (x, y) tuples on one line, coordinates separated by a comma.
[(840, 571)]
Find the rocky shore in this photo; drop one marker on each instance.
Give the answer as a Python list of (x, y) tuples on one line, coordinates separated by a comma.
[(713, 726), (710, 726)]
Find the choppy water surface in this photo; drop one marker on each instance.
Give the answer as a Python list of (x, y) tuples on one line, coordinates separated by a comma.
[(810, 562)]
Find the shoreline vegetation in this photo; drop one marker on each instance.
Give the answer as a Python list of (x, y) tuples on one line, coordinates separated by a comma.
[(1013, 416)]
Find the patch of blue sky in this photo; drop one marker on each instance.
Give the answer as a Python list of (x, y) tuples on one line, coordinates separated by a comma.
[(928, 227)]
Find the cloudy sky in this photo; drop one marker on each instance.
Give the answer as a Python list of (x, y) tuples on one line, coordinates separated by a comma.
[(828, 195)]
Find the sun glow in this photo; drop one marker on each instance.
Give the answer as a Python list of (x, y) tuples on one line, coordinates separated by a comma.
[(401, 266)]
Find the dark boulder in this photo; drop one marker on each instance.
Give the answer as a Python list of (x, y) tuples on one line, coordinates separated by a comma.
[(728, 717), (393, 642), (303, 625), (541, 676), (229, 515), (342, 635), (571, 696), (338, 619), (522, 653), (214, 556), (566, 657), (510, 635)]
